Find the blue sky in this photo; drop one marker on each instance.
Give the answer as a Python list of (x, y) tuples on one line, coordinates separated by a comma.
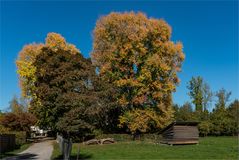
[(207, 29)]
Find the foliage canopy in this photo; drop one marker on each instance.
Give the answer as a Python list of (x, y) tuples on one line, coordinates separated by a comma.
[(135, 54)]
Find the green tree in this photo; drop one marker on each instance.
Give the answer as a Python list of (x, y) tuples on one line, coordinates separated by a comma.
[(200, 93), (219, 117), (205, 127), (105, 103), (195, 92), (207, 96), (223, 98), (233, 113), (62, 83), (176, 108), (184, 113), (99, 112), (135, 54), (77, 121)]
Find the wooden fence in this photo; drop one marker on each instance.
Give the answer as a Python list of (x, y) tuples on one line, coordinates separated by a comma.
[(7, 142)]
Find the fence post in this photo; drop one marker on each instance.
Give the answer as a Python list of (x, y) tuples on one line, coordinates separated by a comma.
[(67, 146), (78, 151)]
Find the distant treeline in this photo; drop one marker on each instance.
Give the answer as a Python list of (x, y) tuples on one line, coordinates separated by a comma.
[(222, 120)]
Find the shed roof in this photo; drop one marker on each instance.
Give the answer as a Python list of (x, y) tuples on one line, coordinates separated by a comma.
[(188, 123)]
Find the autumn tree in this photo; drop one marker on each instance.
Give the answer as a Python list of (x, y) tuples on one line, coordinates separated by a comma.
[(62, 81), (18, 122), (135, 54), (17, 119), (26, 70), (15, 106), (71, 76), (72, 96), (27, 56), (2, 128)]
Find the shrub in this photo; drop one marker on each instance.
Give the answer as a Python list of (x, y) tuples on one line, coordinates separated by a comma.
[(18, 122), (204, 128), (3, 129), (21, 137), (151, 137)]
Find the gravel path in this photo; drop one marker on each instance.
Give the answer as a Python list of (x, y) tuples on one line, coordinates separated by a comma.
[(38, 151)]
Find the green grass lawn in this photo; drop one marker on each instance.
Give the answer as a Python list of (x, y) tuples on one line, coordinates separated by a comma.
[(16, 151), (208, 148)]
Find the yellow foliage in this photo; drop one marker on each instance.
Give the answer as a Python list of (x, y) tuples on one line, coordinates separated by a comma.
[(27, 56), (143, 119), (26, 70), (56, 41), (135, 53)]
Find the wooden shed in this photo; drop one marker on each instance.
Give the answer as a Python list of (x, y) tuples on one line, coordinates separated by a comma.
[(7, 142), (181, 133)]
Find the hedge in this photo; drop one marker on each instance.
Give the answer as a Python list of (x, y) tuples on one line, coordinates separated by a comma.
[(128, 137)]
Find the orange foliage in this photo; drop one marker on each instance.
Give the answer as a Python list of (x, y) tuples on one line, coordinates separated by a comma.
[(27, 56), (136, 54)]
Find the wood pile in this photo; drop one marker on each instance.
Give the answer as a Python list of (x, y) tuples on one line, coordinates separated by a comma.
[(100, 141), (92, 141), (107, 141)]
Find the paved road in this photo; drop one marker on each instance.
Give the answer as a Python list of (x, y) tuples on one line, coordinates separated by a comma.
[(38, 151)]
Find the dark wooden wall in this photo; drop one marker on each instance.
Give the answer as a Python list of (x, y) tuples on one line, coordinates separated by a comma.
[(7, 142), (181, 134)]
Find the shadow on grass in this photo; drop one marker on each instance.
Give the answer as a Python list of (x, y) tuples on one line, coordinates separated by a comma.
[(20, 156), (4, 155), (73, 157), (8, 152)]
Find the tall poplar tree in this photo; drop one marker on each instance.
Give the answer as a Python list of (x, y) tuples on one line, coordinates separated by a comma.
[(200, 93)]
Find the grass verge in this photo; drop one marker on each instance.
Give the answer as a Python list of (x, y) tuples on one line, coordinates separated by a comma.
[(208, 148)]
